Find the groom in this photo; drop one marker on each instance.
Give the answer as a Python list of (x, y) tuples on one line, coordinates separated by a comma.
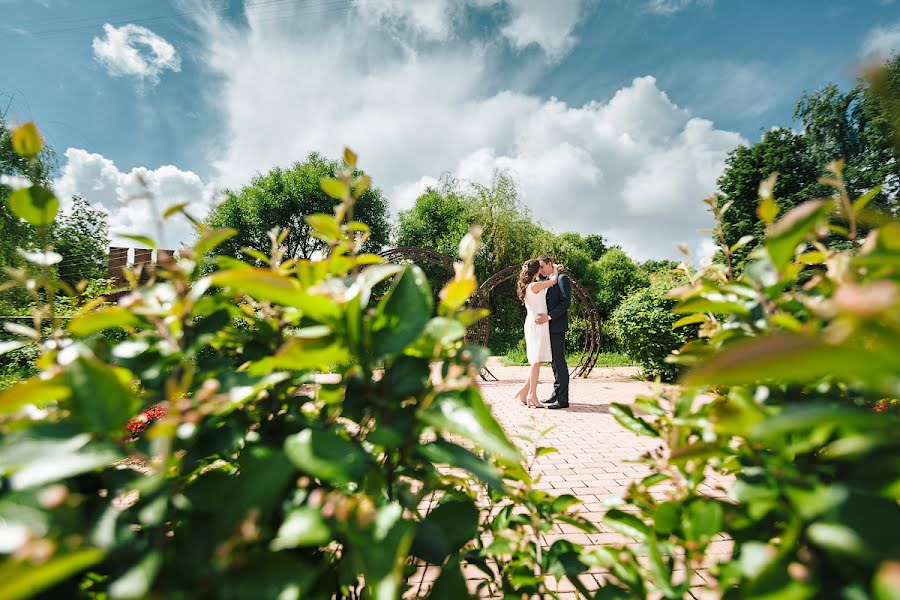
[(559, 297)]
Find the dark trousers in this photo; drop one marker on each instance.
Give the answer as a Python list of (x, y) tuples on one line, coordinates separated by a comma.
[(560, 368)]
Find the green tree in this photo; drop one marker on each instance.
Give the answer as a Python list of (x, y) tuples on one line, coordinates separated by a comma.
[(81, 236), (438, 220), (856, 126), (284, 197), (662, 267), (782, 151), (596, 245), (616, 276)]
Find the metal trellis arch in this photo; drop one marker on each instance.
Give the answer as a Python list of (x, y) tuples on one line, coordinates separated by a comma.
[(480, 333)]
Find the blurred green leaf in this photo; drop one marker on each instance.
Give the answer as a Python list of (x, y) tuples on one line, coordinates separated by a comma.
[(794, 227), (35, 204), (211, 238), (326, 225), (326, 456), (860, 203), (138, 580), (32, 391), (767, 210), (445, 331), (22, 579), (335, 188), (445, 530), (464, 413), (626, 523), (792, 358), (443, 452), (303, 526), (450, 584), (626, 419), (666, 517), (701, 520), (383, 570), (887, 581), (27, 140), (107, 317), (261, 284), (101, 401), (402, 313)]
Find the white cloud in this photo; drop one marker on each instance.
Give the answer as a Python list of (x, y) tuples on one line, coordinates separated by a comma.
[(668, 7), (634, 167), (547, 25), (135, 51), (135, 200), (881, 42)]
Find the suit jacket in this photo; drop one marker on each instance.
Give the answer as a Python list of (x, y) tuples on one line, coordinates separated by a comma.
[(559, 297)]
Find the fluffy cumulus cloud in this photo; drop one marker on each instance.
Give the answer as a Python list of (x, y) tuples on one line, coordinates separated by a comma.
[(547, 25), (135, 200), (882, 41), (135, 51), (634, 167)]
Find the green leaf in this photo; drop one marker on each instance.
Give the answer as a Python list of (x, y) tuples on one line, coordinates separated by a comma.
[(767, 210), (335, 188), (445, 331), (100, 400), (626, 419), (383, 570), (464, 413), (309, 348), (175, 208), (261, 284), (268, 576), (627, 524), (25, 580), (303, 526), (445, 530), (143, 240), (742, 242), (689, 320), (327, 456), (108, 317), (794, 227), (211, 238), (349, 158), (792, 358), (35, 204), (861, 202), (714, 302), (666, 517), (701, 520), (443, 452), (36, 457), (662, 573), (32, 391), (402, 313), (27, 140), (407, 376), (326, 225), (457, 292), (138, 580), (450, 584)]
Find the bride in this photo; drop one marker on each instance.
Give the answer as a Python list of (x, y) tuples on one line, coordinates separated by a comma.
[(533, 294)]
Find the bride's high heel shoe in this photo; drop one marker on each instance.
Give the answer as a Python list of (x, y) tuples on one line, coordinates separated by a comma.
[(533, 402)]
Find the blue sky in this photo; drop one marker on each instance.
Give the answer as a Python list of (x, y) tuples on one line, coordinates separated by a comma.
[(613, 115)]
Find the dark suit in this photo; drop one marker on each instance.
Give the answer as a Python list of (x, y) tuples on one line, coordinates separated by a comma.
[(559, 297)]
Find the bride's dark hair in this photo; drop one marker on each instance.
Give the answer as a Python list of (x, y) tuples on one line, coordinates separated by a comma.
[(526, 276)]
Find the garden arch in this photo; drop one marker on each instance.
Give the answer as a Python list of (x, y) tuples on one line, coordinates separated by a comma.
[(480, 333)]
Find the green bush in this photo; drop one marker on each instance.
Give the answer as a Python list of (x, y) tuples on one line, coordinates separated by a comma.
[(641, 326), (156, 468), (789, 396)]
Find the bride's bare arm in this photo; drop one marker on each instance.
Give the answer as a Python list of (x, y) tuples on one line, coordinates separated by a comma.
[(549, 282)]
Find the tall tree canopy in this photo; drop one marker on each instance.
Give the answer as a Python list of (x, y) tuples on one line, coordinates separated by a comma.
[(81, 236), (284, 197), (854, 126)]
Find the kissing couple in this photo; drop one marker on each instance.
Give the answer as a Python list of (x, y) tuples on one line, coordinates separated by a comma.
[(546, 293)]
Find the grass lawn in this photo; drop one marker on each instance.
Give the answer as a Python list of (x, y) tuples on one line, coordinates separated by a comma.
[(606, 359)]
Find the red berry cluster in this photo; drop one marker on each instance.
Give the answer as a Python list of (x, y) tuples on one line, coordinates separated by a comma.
[(140, 422)]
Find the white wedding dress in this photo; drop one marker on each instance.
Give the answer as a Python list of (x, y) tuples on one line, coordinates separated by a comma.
[(537, 337)]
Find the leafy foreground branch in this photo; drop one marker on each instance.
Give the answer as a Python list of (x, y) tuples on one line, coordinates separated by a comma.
[(199, 453), (795, 359)]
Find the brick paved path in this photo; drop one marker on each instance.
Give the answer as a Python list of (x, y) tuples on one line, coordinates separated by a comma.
[(592, 449)]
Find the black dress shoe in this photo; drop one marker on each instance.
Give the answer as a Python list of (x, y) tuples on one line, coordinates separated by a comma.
[(548, 401), (557, 404)]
